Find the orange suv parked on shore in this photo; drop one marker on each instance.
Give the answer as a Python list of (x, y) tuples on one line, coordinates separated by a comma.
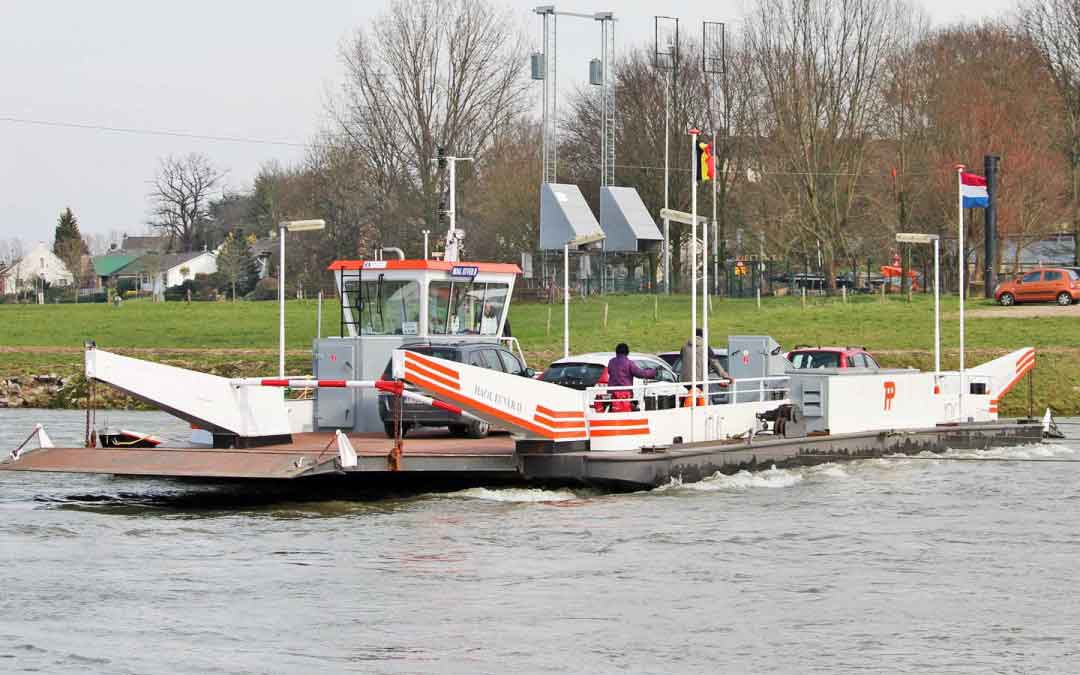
[(1058, 284)]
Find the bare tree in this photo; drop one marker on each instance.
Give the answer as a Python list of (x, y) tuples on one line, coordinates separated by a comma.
[(181, 197), (1054, 27), (820, 63), (151, 264), (429, 73)]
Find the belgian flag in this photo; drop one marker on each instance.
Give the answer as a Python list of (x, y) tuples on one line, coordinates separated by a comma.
[(703, 167)]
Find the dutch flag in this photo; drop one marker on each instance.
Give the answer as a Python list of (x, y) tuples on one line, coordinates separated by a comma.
[(973, 190)]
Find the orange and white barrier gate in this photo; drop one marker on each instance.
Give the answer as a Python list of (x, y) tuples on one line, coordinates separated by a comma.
[(393, 387)]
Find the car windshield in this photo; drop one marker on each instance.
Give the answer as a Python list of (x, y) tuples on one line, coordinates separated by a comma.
[(816, 359), (579, 374), (1072, 274)]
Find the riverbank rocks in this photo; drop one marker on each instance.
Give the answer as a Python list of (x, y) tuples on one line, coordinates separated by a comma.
[(37, 391)]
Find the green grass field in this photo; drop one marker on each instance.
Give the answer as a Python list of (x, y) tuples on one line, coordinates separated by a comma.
[(241, 338)]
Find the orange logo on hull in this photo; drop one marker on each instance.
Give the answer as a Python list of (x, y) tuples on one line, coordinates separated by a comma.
[(890, 394)]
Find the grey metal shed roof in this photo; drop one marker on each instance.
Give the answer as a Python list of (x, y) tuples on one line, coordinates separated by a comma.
[(625, 220), (564, 215)]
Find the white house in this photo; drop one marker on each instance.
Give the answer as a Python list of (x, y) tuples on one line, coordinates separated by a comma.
[(38, 263), (155, 272)]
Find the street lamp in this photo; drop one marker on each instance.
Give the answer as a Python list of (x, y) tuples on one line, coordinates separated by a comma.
[(290, 226), (913, 238)]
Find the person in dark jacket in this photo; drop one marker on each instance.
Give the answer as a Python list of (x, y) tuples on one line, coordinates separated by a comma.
[(621, 373)]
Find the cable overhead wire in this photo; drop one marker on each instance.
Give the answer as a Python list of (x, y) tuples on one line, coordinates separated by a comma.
[(148, 132)]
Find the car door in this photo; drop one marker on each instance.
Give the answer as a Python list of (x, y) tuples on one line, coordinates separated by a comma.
[(1028, 288), (510, 363), (1051, 284)]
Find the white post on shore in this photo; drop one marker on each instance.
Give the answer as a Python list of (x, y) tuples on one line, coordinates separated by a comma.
[(667, 221), (937, 313), (960, 256), (283, 227), (566, 301), (281, 301)]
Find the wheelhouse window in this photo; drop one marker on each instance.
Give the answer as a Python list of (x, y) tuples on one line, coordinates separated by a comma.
[(465, 307), (385, 307)]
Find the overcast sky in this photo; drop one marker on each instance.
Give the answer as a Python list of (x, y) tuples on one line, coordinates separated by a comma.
[(252, 69)]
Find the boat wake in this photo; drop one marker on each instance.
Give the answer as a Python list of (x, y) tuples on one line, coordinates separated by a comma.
[(514, 495)]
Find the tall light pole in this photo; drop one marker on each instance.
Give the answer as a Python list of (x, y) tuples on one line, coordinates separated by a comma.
[(283, 227)]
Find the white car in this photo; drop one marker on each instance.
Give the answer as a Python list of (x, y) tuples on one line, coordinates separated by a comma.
[(589, 370)]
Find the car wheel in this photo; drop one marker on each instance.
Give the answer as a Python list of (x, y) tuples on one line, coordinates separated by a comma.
[(1064, 299), (478, 429), (1007, 299)]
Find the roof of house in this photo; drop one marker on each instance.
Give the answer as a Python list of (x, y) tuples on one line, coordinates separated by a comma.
[(265, 246), (110, 263), (163, 263), (137, 243)]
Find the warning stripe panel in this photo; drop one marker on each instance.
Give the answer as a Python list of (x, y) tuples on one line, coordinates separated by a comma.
[(555, 424), (431, 365), (1025, 361), (488, 410), (1012, 383), (567, 414), (421, 372)]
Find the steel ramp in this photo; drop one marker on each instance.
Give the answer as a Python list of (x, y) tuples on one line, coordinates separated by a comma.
[(180, 462)]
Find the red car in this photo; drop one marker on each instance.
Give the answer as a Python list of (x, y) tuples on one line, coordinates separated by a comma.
[(1058, 284), (831, 357)]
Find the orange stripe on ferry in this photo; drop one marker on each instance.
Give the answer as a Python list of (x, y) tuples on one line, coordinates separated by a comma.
[(541, 410), (420, 372), (619, 423), (428, 363), (618, 432)]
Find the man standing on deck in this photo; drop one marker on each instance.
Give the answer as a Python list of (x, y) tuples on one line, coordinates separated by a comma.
[(621, 372), (694, 346)]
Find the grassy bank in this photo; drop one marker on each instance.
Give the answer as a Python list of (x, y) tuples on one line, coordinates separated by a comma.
[(241, 338)]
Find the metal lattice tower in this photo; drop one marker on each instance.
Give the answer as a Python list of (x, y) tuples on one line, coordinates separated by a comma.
[(714, 65), (607, 98), (551, 94)]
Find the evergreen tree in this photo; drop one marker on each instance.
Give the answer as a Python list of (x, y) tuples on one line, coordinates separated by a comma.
[(236, 264), (67, 228)]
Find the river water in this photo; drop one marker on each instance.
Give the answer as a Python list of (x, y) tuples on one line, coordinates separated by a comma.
[(894, 565)]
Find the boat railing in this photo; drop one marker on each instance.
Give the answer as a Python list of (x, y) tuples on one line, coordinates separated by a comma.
[(661, 395), (514, 346)]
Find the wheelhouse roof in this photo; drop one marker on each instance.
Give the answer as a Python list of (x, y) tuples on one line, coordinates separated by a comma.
[(433, 265)]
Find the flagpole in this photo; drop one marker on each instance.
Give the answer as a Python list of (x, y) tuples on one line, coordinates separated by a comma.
[(693, 271), (960, 219), (705, 294)]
